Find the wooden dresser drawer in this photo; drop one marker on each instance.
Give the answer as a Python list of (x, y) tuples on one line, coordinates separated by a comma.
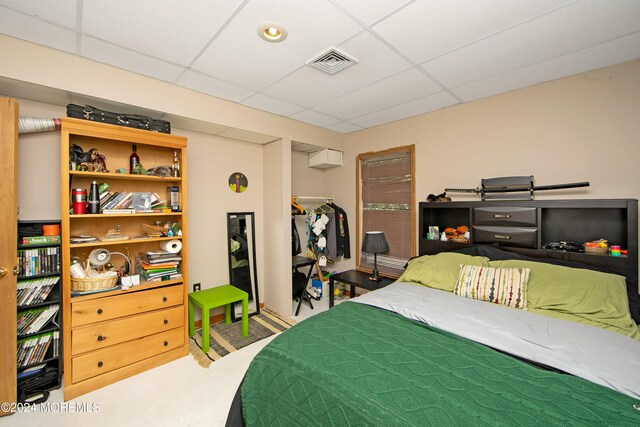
[(513, 236), (101, 309), (501, 216), (102, 361), (103, 334)]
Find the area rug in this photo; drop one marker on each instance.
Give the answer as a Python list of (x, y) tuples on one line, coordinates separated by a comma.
[(225, 339)]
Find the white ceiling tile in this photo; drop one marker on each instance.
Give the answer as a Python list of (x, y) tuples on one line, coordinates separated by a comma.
[(427, 29), (21, 26), (619, 50), (345, 127), (61, 12), (209, 85), (413, 108), (272, 105), (402, 87), (239, 56), (371, 12), (310, 87), (167, 29), (315, 118), (126, 59), (578, 26)]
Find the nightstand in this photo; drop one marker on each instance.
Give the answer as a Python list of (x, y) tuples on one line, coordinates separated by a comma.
[(356, 279)]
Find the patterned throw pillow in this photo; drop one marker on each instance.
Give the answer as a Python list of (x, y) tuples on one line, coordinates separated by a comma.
[(506, 286)]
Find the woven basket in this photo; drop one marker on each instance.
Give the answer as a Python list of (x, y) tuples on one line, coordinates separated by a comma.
[(596, 250), (92, 283)]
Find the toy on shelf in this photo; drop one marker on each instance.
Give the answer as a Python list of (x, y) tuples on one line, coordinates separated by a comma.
[(597, 246), (459, 234)]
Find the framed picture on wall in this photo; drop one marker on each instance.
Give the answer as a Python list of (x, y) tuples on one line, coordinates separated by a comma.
[(238, 182)]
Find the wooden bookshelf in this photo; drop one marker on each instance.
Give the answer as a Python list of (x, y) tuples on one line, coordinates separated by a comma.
[(87, 368)]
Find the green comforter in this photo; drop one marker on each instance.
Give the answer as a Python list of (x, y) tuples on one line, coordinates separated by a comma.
[(359, 365)]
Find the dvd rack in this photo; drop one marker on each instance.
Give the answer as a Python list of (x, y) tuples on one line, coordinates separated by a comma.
[(39, 301)]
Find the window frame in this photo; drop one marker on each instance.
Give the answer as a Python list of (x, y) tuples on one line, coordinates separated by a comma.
[(359, 207)]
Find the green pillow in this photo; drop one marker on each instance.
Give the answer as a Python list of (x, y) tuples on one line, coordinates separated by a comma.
[(586, 296), (439, 271)]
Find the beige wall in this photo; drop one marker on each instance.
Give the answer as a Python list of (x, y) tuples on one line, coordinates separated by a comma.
[(277, 226), (580, 128), (39, 166), (210, 161)]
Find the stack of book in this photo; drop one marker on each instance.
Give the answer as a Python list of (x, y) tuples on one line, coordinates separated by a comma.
[(31, 321), (117, 201), (34, 349), (159, 265), (35, 291)]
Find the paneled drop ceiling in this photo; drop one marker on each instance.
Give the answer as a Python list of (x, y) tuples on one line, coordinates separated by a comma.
[(414, 56)]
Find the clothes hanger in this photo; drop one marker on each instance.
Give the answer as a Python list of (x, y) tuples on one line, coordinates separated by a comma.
[(299, 210), (327, 206)]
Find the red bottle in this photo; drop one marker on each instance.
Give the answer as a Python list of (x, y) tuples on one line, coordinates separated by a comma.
[(134, 159), (79, 198)]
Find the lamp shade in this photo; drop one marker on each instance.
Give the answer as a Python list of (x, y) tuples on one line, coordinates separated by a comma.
[(374, 242)]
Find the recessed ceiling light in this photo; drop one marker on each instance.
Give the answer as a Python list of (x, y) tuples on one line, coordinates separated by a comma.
[(272, 32)]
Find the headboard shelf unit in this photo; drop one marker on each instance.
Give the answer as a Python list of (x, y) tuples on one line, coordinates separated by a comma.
[(526, 226)]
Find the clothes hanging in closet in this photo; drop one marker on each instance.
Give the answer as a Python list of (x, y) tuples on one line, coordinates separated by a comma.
[(332, 246), (343, 244), (318, 220), (328, 233)]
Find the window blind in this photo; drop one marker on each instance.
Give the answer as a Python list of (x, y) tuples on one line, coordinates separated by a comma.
[(387, 200)]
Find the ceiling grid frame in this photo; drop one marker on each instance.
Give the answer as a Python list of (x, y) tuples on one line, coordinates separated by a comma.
[(63, 24)]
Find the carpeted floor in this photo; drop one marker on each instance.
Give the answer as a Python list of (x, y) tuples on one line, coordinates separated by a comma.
[(224, 339)]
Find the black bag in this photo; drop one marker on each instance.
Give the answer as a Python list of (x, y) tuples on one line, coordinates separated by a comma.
[(295, 239), (38, 384), (122, 119), (299, 283)]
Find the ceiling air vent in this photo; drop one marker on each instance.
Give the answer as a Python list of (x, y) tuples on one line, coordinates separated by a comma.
[(332, 61)]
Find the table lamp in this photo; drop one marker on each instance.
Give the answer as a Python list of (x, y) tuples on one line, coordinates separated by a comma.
[(374, 243)]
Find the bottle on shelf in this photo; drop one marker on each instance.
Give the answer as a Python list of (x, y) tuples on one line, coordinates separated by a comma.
[(175, 169), (173, 198), (134, 159), (79, 196), (94, 198)]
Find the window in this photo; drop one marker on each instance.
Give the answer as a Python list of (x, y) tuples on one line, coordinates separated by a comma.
[(385, 197)]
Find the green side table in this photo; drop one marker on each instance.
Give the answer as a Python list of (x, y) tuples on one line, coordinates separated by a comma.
[(217, 297)]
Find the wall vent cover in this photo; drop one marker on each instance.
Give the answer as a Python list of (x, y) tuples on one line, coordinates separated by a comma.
[(331, 61)]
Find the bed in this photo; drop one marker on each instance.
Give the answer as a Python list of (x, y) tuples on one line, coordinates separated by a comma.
[(428, 351)]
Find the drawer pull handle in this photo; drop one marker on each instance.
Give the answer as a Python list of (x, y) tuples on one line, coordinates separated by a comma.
[(164, 299), (166, 321), (100, 364), (502, 216), (501, 236), (99, 311), (166, 343), (101, 338)]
